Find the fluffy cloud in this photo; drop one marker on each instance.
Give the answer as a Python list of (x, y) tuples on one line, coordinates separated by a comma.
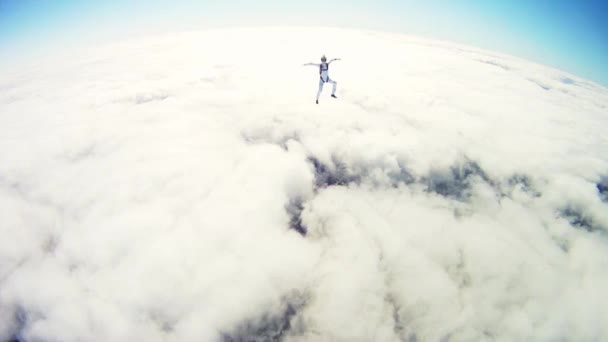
[(187, 188)]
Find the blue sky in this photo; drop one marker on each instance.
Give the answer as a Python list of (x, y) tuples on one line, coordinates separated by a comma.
[(570, 35)]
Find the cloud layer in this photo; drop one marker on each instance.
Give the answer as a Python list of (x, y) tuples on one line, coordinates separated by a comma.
[(187, 188)]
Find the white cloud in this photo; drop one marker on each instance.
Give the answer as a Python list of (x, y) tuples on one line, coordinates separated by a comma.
[(150, 191)]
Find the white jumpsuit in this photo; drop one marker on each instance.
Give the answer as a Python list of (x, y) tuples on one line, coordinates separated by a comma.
[(324, 78)]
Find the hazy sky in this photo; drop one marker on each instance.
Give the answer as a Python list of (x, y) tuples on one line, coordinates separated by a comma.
[(570, 35)]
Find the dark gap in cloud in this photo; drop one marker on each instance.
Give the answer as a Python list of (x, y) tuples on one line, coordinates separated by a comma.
[(402, 176), (271, 326), (456, 182), (489, 334), (458, 273), (525, 183), (339, 173), (284, 140), (545, 87), (249, 139), (399, 328), (20, 323), (602, 188), (73, 267), (326, 176), (336, 173), (540, 84), (294, 210), (162, 321), (13, 185), (579, 219), (562, 244), (145, 98), (567, 80), (494, 63), (462, 212), (50, 244)]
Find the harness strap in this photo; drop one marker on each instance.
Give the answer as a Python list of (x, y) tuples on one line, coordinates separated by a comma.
[(321, 71), (321, 67)]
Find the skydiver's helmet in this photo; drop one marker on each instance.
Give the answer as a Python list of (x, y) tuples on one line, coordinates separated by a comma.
[(323, 59)]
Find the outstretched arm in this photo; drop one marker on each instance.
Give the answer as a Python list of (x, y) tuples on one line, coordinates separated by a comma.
[(313, 64), (333, 59)]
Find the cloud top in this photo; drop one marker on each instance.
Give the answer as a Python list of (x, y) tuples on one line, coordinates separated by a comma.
[(187, 188)]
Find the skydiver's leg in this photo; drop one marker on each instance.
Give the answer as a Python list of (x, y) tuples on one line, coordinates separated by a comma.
[(334, 84), (320, 89)]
